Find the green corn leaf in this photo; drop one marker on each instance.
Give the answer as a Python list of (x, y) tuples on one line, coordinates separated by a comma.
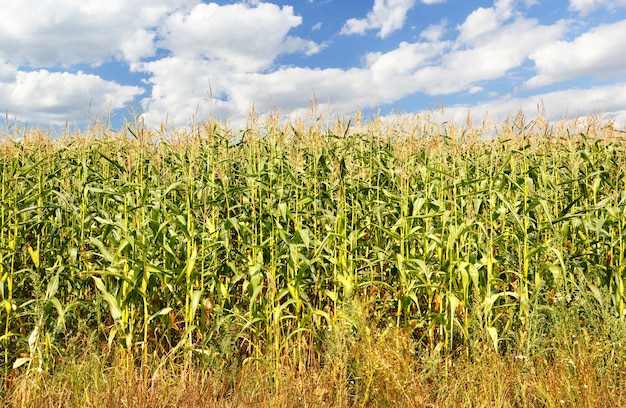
[(114, 306)]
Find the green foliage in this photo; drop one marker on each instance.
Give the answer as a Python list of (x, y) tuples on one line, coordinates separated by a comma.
[(193, 247)]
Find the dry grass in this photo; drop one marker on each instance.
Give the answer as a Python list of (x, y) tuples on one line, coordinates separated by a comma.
[(383, 370)]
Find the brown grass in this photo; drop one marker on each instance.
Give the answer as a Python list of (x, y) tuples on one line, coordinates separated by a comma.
[(359, 368)]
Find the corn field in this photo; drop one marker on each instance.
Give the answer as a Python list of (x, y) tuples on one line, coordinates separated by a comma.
[(190, 246)]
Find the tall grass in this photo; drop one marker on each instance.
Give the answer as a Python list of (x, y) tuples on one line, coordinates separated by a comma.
[(186, 248)]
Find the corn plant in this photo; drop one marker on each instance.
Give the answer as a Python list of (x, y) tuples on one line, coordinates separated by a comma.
[(201, 246)]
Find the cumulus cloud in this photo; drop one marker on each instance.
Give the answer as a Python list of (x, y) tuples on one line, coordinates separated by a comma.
[(204, 43), (219, 55), (393, 73), (607, 100), (188, 83), (387, 16), (434, 31), (291, 87), (207, 88), (47, 33), (183, 87), (594, 53), (55, 97), (482, 22), (201, 59), (481, 52), (587, 6), (489, 59), (39, 40), (246, 38), (433, 66)]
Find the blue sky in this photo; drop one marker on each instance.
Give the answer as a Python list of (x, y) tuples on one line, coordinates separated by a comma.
[(176, 61)]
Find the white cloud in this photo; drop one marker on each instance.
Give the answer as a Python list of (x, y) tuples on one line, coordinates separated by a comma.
[(37, 35), (56, 97), (587, 6), (393, 72), (138, 45), (8, 73), (184, 83), (482, 52), (434, 67), (594, 53), (219, 60), (223, 50), (246, 38), (182, 87), (608, 100), (386, 15), (434, 31), (43, 33), (206, 43), (290, 88), (482, 22), (488, 57)]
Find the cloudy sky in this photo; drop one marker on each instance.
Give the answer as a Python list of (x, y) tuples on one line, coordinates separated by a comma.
[(175, 60)]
